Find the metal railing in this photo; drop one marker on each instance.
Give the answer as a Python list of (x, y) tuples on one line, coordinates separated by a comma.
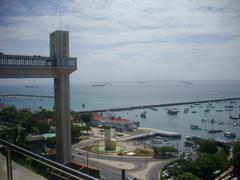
[(42, 160), (16, 60)]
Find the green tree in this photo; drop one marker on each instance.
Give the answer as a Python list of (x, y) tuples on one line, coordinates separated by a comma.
[(236, 148), (9, 115), (221, 159), (76, 131), (26, 119), (12, 134), (236, 158), (44, 114), (43, 127), (86, 117), (20, 140), (187, 176), (208, 146), (34, 130), (51, 142), (204, 166), (162, 151)]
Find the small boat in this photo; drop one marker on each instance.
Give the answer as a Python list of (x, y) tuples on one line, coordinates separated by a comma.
[(219, 110), (156, 141), (192, 138), (232, 102), (137, 123), (220, 122), (98, 85), (206, 110), (143, 114), (235, 124), (228, 109), (154, 109), (229, 106), (203, 119), (31, 86), (173, 111), (229, 135), (234, 117), (185, 110), (214, 131), (194, 127), (212, 121), (194, 111)]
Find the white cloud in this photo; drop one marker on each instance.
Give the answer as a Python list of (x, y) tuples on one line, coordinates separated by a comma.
[(133, 39)]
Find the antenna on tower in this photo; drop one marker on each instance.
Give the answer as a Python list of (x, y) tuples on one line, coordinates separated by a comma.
[(60, 20)]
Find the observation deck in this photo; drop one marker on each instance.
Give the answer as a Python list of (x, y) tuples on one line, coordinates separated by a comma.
[(15, 66)]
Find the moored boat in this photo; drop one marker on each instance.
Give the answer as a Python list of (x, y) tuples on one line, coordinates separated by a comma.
[(234, 117), (173, 111), (194, 127), (229, 135), (143, 114), (206, 110), (214, 131), (154, 109)]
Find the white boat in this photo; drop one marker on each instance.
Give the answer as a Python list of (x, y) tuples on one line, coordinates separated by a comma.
[(173, 111), (235, 117), (229, 135)]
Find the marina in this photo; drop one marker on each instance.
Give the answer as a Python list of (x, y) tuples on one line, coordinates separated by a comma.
[(210, 112)]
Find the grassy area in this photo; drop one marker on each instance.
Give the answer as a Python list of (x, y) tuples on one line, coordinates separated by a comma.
[(161, 173), (83, 138), (101, 149), (143, 152)]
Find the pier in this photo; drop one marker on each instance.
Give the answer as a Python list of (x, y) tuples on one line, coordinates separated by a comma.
[(153, 132), (162, 105)]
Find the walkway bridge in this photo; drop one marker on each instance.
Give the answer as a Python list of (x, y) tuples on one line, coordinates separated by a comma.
[(34, 66)]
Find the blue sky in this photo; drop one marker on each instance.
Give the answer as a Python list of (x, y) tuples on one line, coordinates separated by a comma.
[(131, 39)]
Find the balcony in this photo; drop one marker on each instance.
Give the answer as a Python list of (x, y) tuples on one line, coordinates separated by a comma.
[(47, 169)]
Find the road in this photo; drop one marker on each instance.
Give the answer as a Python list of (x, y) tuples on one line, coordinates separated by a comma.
[(144, 168), (107, 171)]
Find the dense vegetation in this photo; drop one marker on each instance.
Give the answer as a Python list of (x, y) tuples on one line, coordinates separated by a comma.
[(236, 159), (209, 159), (164, 151), (21, 123), (18, 124)]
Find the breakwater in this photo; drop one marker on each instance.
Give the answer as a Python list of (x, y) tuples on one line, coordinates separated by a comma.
[(163, 105), (25, 95)]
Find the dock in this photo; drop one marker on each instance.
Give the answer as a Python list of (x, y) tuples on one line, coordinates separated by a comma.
[(153, 132)]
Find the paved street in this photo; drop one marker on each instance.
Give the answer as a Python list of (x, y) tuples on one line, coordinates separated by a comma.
[(144, 168)]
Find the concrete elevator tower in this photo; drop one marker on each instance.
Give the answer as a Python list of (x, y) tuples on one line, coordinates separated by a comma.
[(59, 50), (58, 66)]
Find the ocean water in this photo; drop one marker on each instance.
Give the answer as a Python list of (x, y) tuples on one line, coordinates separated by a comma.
[(126, 94)]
